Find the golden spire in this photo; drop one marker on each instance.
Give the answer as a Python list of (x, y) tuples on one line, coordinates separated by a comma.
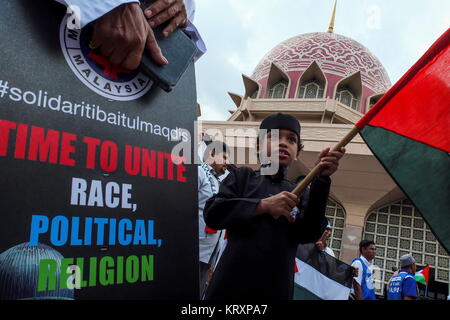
[(331, 27)]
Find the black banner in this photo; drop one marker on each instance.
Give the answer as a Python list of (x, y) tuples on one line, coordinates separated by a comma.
[(93, 204)]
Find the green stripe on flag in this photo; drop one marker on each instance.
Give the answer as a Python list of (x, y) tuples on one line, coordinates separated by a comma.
[(420, 279), (301, 293), (421, 171)]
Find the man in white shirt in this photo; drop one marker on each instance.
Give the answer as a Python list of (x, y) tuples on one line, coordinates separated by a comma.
[(122, 31), (209, 173), (363, 282)]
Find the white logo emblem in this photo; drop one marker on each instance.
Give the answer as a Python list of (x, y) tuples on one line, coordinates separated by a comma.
[(96, 72)]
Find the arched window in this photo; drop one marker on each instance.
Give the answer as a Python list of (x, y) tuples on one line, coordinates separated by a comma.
[(278, 90), (336, 215), (373, 100), (254, 94), (311, 90), (398, 229), (345, 96)]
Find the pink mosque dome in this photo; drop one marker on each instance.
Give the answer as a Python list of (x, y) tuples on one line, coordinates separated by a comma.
[(338, 60)]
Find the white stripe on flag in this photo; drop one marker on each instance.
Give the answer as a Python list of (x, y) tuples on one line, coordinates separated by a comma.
[(319, 284), (221, 250)]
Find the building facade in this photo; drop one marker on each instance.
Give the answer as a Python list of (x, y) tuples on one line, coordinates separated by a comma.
[(328, 81)]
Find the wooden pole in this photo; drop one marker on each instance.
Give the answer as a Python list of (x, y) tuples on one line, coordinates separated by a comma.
[(317, 169)]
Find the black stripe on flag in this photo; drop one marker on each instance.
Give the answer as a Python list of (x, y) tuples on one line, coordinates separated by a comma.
[(327, 265)]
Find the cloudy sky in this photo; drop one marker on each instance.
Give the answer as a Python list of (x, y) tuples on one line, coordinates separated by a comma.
[(238, 33)]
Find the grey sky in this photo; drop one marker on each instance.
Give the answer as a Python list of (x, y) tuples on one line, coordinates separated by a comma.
[(238, 33)]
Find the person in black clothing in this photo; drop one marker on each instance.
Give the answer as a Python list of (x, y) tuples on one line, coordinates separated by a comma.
[(258, 261)]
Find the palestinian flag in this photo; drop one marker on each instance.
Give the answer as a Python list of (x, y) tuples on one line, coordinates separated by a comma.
[(320, 276), (423, 275), (408, 131)]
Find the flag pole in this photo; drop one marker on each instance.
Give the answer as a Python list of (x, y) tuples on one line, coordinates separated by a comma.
[(438, 46), (317, 169)]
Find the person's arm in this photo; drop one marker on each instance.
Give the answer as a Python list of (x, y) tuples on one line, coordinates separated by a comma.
[(409, 288), (120, 31), (203, 195), (122, 36), (195, 36), (180, 14), (358, 290), (92, 10), (171, 11), (312, 223), (321, 245), (357, 280), (229, 207), (278, 205)]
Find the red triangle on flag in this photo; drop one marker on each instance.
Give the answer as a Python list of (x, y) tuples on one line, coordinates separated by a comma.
[(426, 273)]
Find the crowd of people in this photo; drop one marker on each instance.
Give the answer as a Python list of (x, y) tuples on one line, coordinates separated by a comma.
[(254, 212)]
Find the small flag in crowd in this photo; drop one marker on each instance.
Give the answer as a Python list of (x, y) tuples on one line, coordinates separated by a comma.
[(320, 276), (408, 131), (422, 276)]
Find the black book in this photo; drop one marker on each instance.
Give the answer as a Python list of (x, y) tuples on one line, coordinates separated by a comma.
[(178, 49)]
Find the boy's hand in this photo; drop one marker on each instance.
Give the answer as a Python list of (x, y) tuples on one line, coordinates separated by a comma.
[(320, 245), (278, 205), (329, 161)]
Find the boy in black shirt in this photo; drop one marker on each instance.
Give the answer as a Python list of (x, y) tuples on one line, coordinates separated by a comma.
[(263, 234)]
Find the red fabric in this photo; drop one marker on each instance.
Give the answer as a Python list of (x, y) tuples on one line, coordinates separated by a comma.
[(295, 268), (418, 105), (209, 230), (426, 273)]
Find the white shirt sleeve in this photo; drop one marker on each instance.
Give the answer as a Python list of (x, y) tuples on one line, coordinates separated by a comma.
[(190, 9), (192, 31), (91, 10), (358, 265), (200, 178), (329, 251), (204, 193), (195, 36)]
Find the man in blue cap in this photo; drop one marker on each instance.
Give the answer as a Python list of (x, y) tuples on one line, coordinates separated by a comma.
[(256, 209), (403, 286)]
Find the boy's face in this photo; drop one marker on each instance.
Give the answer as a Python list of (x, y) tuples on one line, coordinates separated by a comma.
[(286, 148), (218, 161), (369, 252)]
